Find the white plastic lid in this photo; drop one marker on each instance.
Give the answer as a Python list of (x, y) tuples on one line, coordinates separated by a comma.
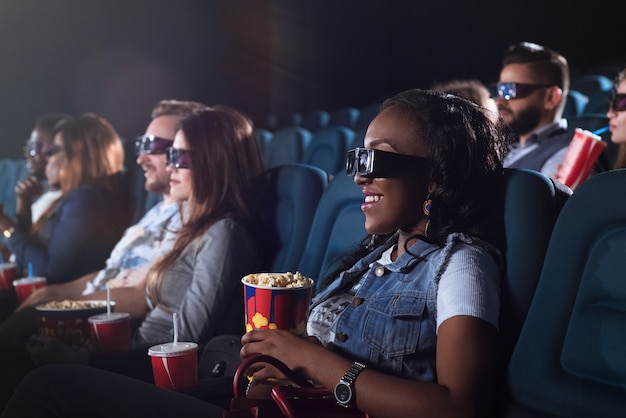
[(26, 280), (171, 349), (112, 317)]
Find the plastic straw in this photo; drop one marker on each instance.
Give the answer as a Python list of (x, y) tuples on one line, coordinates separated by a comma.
[(175, 319), (600, 131), (108, 300), (30, 272)]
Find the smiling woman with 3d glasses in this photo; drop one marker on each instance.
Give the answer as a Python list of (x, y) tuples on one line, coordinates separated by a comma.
[(411, 328)]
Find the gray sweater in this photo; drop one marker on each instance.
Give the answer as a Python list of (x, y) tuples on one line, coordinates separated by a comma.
[(204, 288)]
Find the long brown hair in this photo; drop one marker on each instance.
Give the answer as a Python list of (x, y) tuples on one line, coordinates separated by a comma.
[(93, 151), (224, 161)]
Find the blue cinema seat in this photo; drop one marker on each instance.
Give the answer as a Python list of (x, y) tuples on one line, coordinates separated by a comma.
[(314, 120), (344, 116), (575, 103), (288, 198), (11, 171), (366, 114), (327, 149), (338, 227), (263, 137), (570, 358), (532, 203), (286, 147)]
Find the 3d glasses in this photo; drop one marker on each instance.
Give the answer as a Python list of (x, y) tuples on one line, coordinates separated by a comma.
[(377, 163), (150, 144), (179, 158), (34, 148), (509, 91), (618, 102)]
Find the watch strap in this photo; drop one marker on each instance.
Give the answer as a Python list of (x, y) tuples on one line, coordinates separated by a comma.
[(353, 372)]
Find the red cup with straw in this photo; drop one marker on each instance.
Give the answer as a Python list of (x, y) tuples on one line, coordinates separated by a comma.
[(175, 364), (24, 287), (110, 331)]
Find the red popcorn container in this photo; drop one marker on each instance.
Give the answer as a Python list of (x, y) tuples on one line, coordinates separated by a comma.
[(270, 307), (110, 331), (581, 155), (68, 320), (175, 365), (8, 273)]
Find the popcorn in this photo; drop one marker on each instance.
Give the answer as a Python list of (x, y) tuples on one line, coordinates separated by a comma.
[(72, 304), (286, 280)]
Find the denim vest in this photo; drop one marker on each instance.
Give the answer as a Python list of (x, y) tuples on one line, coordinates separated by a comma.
[(391, 323)]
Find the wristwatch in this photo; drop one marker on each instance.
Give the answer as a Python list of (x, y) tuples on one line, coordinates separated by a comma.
[(8, 232), (344, 390)]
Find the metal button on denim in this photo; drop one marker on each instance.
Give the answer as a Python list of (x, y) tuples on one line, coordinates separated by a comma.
[(357, 301), (380, 271), (342, 337)]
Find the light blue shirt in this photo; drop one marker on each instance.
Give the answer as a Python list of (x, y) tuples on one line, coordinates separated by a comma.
[(152, 236)]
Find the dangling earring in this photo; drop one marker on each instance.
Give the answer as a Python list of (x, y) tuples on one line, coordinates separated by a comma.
[(426, 206)]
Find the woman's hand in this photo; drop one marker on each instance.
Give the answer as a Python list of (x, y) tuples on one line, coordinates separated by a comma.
[(284, 345), (28, 190)]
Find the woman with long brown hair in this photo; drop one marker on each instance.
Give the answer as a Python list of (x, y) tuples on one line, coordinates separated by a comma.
[(212, 163), (77, 232)]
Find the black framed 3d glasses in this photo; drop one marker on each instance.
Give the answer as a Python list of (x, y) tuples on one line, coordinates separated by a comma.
[(38, 148), (510, 91), (179, 158), (618, 102), (377, 163), (150, 144)]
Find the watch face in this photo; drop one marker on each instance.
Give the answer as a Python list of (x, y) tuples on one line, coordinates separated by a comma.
[(343, 393)]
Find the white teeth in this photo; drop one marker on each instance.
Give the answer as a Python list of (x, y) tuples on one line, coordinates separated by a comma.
[(371, 199)]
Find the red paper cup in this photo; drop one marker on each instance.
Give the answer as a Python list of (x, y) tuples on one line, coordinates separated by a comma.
[(8, 273), (175, 365), (581, 155), (277, 307), (110, 332), (26, 286)]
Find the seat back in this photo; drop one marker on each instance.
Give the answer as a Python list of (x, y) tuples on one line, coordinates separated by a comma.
[(263, 137), (575, 103), (589, 84), (366, 115), (314, 120), (288, 197), (11, 172), (328, 147), (338, 226), (286, 147), (345, 116), (569, 358), (531, 205)]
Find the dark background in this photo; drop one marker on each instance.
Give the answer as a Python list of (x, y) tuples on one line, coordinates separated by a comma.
[(118, 57)]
